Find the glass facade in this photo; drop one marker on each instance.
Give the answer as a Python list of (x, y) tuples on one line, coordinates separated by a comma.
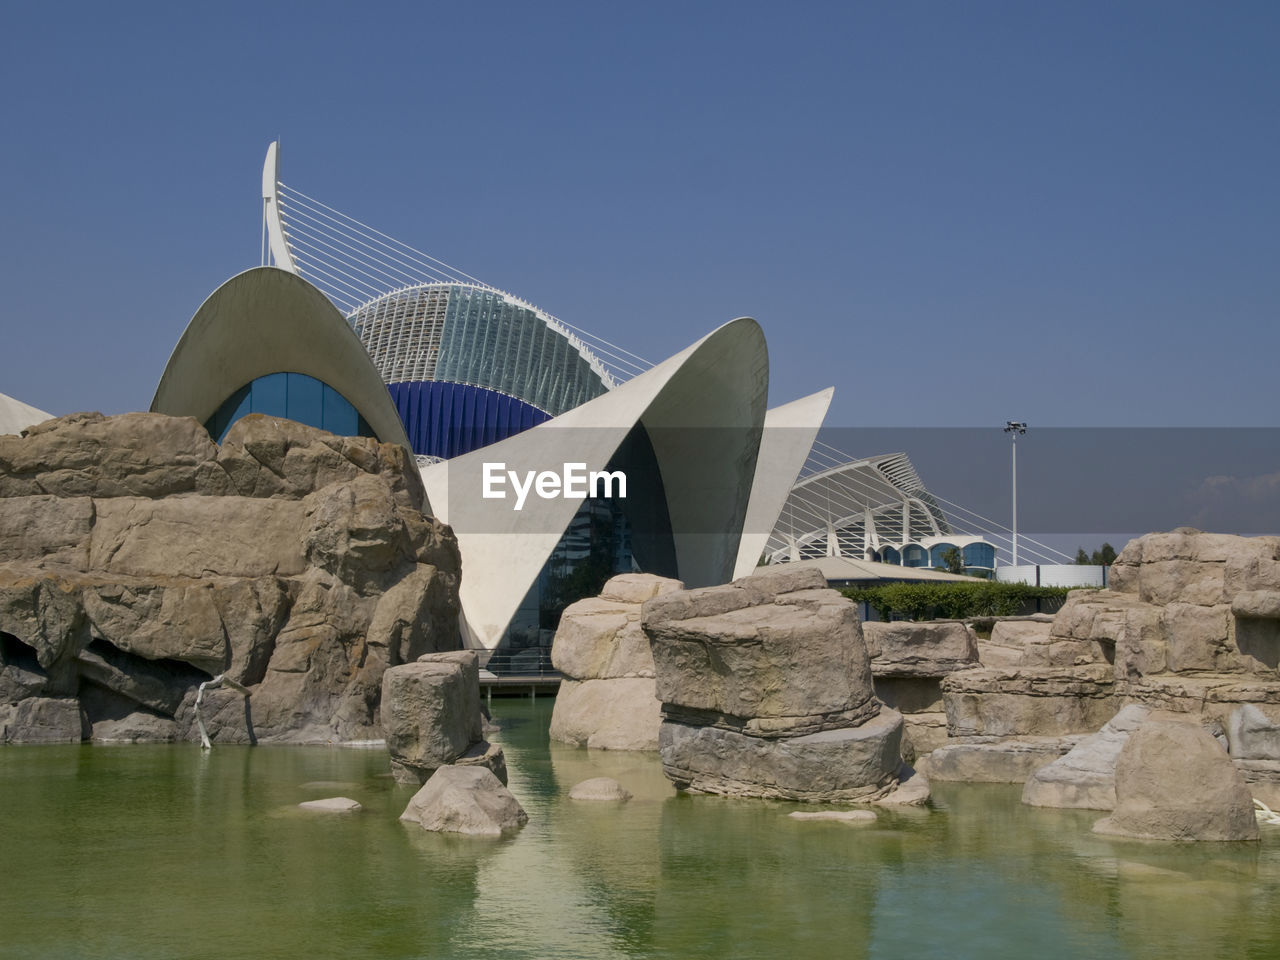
[(292, 396), (454, 333), (979, 555)]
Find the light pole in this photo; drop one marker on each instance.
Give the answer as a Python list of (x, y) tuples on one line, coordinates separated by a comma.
[(1015, 428)]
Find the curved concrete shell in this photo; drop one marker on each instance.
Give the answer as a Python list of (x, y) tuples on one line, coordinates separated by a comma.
[(702, 411), (16, 416), (266, 321)]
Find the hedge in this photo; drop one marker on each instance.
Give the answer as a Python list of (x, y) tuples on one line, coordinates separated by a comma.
[(954, 600)]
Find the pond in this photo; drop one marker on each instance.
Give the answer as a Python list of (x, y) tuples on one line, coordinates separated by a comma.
[(149, 851)]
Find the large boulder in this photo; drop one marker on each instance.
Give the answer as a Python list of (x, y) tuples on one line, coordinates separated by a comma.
[(1028, 701), (139, 559), (766, 691), (467, 800), (769, 655), (1175, 782), (431, 713), (607, 699), (905, 648), (1086, 776), (994, 759)]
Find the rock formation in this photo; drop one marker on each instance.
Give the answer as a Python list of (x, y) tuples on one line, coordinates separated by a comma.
[(1189, 624), (1174, 782), (908, 662), (139, 559), (1086, 775), (766, 691), (606, 699), (465, 800), (431, 717)]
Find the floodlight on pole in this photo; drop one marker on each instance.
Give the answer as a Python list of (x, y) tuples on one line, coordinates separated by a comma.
[(1015, 428)]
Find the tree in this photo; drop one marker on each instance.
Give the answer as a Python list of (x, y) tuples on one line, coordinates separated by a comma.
[(1082, 558), (1104, 556), (954, 560)]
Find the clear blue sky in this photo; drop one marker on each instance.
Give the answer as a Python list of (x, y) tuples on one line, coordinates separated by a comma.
[(956, 213)]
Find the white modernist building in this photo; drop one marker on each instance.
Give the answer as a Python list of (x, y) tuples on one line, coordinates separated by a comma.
[(350, 330)]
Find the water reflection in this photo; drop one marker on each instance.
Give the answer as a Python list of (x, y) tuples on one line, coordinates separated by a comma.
[(160, 851)]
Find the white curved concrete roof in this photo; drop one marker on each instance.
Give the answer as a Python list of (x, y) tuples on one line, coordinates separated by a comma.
[(703, 410), (16, 416), (265, 321)]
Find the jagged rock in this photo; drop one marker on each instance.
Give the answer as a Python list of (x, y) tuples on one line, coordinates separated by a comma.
[(331, 805), (136, 555), (931, 649), (487, 755), (600, 788), (614, 714), (994, 759), (268, 457), (467, 800), (607, 699), (89, 455), (1085, 777), (45, 720), (769, 655), (852, 763), (431, 712), (1020, 631), (1028, 701), (1175, 782)]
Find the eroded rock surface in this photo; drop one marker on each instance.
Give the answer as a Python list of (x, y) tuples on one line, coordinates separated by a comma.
[(1175, 782), (607, 699), (766, 691), (467, 800), (139, 559)]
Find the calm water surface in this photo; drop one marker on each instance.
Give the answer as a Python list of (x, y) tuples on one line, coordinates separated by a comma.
[(162, 851)]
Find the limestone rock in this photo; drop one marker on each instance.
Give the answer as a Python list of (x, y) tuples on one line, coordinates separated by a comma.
[(139, 558), (46, 720), (269, 457), (467, 800), (1086, 775), (487, 755), (853, 763), (912, 790), (1253, 735), (607, 698), (1020, 631), (931, 649), (140, 726), (617, 714), (770, 655), (994, 759), (89, 455), (331, 805), (1174, 782), (599, 788), (431, 712), (1051, 701)]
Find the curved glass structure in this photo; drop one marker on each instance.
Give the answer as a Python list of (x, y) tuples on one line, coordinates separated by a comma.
[(468, 365), (292, 396)]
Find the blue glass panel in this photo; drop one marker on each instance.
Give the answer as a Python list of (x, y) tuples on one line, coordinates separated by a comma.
[(270, 395), (890, 555), (293, 396), (339, 416), (936, 552), (980, 555), (914, 555), (304, 400), (449, 419)]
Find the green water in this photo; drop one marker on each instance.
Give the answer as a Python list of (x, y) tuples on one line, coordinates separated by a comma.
[(162, 851)]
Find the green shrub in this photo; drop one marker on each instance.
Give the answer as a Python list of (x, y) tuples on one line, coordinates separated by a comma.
[(934, 601)]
